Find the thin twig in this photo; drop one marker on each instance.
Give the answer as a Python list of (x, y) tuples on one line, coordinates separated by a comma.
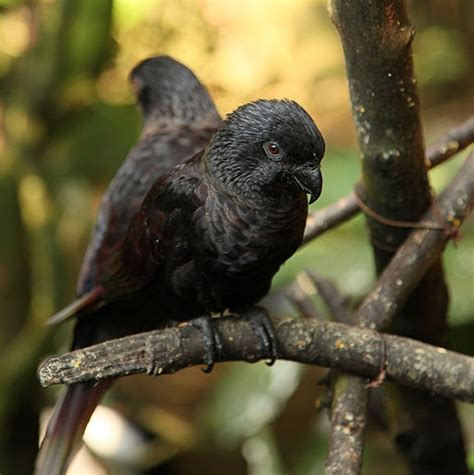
[(327, 218), (333, 299), (451, 143), (298, 295)]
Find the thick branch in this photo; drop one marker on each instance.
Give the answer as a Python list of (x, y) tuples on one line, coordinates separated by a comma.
[(358, 350), (346, 207), (423, 247), (349, 401), (376, 38)]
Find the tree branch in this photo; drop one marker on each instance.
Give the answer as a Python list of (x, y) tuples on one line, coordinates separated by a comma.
[(345, 208), (327, 218), (454, 141), (376, 37), (349, 397), (335, 302), (309, 341), (296, 293), (423, 247), (349, 402)]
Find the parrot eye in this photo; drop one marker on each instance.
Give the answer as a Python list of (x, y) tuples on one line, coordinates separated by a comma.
[(272, 149)]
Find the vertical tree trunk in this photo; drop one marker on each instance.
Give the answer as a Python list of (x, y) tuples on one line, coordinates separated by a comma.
[(376, 37), (14, 307)]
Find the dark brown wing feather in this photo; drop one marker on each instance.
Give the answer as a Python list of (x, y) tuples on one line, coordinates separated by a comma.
[(153, 157), (139, 257)]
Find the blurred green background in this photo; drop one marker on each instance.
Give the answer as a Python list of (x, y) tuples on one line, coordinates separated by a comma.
[(67, 120)]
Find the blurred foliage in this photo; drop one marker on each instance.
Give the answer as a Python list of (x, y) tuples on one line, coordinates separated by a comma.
[(263, 393), (67, 120)]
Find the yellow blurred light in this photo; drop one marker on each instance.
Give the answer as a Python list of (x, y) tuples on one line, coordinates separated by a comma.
[(130, 12), (242, 50), (20, 126), (14, 32), (16, 122), (77, 91), (112, 87), (306, 283), (35, 205)]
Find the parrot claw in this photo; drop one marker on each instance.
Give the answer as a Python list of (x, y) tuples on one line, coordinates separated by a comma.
[(263, 328), (211, 339)]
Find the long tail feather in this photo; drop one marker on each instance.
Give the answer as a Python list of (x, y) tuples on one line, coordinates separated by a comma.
[(64, 432), (86, 300)]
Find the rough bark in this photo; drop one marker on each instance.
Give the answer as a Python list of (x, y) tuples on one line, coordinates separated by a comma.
[(348, 424), (310, 341), (376, 37), (419, 251)]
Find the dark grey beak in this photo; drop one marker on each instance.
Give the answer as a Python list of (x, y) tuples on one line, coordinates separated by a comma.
[(310, 181)]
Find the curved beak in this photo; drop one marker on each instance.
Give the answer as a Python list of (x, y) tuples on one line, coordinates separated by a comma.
[(309, 181)]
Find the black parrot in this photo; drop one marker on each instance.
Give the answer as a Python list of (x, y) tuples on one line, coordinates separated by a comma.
[(209, 236), (179, 118)]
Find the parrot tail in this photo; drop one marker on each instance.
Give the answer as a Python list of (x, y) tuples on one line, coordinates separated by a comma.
[(89, 299), (63, 435)]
